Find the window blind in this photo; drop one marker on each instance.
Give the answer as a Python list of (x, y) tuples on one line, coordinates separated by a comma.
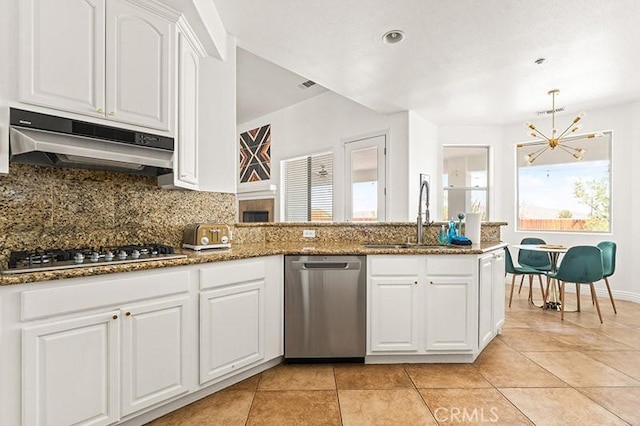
[(307, 184)]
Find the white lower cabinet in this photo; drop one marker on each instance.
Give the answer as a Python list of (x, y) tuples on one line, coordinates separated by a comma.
[(231, 328), (240, 316), (432, 306), (71, 370), (450, 313), (154, 352), (84, 364), (492, 297)]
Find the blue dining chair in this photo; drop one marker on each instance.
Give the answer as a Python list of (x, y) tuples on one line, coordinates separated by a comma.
[(533, 259), (608, 265), (510, 268), (580, 265)]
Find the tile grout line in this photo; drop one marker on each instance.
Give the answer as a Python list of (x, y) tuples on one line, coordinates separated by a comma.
[(335, 382)]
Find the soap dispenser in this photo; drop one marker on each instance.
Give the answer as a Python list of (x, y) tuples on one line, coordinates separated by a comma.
[(443, 238), (452, 230)]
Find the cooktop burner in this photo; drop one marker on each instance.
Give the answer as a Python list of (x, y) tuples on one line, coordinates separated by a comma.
[(55, 259)]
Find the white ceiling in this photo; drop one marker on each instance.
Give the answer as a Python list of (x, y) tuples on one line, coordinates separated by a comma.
[(263, 87), (462, 62)]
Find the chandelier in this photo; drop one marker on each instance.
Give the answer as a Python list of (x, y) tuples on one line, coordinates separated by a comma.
[(557, 140)]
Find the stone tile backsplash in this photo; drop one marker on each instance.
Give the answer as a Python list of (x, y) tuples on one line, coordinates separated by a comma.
[(46, 207)]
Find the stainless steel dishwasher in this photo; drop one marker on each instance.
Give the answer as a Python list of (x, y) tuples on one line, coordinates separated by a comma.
[(324, 311)]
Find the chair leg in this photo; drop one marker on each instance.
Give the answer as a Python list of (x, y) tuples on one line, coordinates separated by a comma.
[(606, 281), (521, 281), (578, 295), (513, 284), (541, 288), (562, 300), (530, 297), (593, 295), (546, 294)]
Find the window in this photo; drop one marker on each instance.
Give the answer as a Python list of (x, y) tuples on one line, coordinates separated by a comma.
[(465, 181), (307, 188), (559, 193), (365, 172)]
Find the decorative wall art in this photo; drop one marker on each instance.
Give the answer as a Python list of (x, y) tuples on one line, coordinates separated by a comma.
[(255, 154)]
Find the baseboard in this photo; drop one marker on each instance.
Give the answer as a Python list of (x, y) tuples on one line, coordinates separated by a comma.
[(601, 291)]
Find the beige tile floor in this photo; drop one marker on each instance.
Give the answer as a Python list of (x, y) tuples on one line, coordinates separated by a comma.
[(539, 371)]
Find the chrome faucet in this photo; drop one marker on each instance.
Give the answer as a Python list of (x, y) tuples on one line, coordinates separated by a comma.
[(424, 188)]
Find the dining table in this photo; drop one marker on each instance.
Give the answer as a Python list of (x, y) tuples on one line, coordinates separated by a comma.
[(554, 251)]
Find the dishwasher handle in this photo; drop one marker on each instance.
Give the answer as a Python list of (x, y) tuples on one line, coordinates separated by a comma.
[(301, 265)]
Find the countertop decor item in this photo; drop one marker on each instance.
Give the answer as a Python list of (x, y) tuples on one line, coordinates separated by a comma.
[(555, 140)]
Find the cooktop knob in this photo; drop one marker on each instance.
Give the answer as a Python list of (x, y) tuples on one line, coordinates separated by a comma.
[(108, 256), (122, 255), (95, 256), (79, 258), (135, 254), (204, 241)]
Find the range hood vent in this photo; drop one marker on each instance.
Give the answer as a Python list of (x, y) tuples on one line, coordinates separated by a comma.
[(47, 140)]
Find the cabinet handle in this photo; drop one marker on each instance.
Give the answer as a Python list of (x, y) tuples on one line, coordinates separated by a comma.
[(100, 110), (115, 317), (112, 113), (431, 282), (128, 314), (183, 176), (415, 282), (498, 257)]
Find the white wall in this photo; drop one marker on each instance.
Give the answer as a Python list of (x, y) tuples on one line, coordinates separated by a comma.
[(623, 121), (218, 146), (325, 123), (424, 156)]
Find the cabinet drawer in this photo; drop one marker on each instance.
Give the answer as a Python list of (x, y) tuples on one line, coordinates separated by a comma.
[(451, 265), (100, 293), (395, 265), (225, 273)]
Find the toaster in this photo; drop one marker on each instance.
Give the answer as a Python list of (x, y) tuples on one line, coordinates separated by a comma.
[(200, 236)]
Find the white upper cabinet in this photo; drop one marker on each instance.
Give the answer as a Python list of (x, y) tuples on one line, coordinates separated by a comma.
[(139, 49), (111, 60), (62, 54)]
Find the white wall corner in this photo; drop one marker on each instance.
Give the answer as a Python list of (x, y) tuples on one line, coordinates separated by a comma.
[(213, 26)]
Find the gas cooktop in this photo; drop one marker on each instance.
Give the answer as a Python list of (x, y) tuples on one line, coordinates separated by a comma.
[(55, 259)]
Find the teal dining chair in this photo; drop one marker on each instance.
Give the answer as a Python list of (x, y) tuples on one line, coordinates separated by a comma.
[(608, 265), (580, 265), (510, 268), (533, 259)]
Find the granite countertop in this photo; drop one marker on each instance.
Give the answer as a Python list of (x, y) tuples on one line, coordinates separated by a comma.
[(244, 251)]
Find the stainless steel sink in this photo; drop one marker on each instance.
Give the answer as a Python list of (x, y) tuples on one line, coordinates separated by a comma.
[(410, 246), (387, 246)]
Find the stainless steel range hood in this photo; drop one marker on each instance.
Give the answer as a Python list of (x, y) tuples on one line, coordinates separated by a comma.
[(60, 142)]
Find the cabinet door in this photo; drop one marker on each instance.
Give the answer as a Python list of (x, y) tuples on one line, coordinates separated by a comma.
[(486, 324), (62, 56), (154, 353), (498, 291), (394, 317), (70, 371), (139, 48), (450, 309), (187, 161), (231, 328)]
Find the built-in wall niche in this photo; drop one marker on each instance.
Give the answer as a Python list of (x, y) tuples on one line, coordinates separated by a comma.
[(260, 210)]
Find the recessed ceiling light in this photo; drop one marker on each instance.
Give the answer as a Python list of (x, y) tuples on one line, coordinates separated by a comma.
[(393, 37), (540, 61)]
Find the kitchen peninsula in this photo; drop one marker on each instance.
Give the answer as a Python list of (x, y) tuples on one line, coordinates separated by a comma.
[(220, 318)]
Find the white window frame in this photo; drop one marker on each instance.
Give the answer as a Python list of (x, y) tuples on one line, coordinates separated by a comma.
[(378, 141), (516, 191), (486, 188)]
